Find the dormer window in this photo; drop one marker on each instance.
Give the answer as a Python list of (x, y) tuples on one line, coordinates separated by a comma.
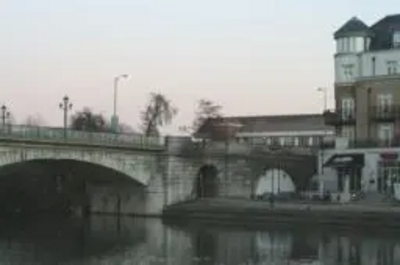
[(396, 39)]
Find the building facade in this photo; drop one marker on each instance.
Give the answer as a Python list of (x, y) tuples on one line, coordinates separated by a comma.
[(367, 82), (367, 114), (278, 131), (300, 135)]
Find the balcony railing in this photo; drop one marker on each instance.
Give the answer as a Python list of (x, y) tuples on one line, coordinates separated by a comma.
[(339, 117), (374, 143), (385, 113), (365, 143), (60, 135)]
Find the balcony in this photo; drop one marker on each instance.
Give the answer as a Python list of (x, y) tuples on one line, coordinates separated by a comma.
[(339, 117), (365, 143), (385, 113), (375, 143)]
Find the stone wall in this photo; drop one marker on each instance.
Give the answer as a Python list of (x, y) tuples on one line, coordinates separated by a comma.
[(140, 166), (165, 177)]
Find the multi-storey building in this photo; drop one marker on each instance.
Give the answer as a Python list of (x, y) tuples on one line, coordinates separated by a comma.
[(367, 81), (367, 114)]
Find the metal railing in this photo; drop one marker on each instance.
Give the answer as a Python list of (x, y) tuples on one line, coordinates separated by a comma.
[(61, 135), (385, 113), (339, 117), (234, 148), (365, 143)]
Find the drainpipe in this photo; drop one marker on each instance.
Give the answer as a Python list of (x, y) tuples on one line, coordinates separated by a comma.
[(369, 112)]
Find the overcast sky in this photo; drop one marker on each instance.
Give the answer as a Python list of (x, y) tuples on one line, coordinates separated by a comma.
[(253, 57)]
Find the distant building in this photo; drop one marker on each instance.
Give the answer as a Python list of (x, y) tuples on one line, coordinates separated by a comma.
[(298, 130)]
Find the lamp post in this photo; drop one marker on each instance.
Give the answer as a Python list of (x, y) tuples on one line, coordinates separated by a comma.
[(324, 92), (5, 115), (65, 106), (114, 119)]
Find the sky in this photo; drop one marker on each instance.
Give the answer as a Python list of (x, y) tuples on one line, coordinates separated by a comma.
[(252, 57)]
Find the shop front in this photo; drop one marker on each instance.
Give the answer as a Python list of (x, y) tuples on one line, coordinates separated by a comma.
[(388, 178), (348, 169)]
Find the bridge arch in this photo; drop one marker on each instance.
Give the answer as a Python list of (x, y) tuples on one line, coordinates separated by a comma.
[(207, 182), (135, 169), (274, 181)]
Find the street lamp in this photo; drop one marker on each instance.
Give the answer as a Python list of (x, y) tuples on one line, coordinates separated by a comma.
[(324, 92), (5, 115), (65, 106), (114, 120)]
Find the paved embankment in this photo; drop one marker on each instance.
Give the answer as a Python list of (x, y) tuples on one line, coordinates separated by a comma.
[(248, 211)]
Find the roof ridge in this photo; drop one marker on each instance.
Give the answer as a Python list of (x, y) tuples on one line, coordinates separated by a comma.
[(274, 115)]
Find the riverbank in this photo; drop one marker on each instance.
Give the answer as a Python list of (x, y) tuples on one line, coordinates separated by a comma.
[(249, 212)]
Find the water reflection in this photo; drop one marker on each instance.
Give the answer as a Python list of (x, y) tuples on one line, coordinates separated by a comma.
[(110, 240)]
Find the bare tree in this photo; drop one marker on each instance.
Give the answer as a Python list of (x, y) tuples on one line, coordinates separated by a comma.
[(206, 109), (35, 120), (158, 112)]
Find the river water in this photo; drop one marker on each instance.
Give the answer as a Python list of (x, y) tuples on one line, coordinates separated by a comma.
[(111, 240)]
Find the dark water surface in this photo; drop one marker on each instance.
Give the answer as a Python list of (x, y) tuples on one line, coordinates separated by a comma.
[(111, 240)]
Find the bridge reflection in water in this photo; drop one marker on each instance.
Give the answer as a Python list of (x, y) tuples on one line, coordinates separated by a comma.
[(124, 240)]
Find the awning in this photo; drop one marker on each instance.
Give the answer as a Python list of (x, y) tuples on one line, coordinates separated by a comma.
[(345, 160)]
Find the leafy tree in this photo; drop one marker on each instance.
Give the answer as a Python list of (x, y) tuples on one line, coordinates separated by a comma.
[(125, 128), (158, 112), (86, 120), (206, 109)]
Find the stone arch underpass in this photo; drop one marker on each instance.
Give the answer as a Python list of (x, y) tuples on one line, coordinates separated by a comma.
[(82, 181), (139, 167), (285, 175)]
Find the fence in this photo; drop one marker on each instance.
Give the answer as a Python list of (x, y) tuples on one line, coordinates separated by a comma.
[(61, 135)]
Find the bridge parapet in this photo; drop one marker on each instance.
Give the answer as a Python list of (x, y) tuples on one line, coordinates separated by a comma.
[(188, 146), (60, 135)]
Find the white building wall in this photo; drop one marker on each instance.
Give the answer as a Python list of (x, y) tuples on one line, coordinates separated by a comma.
[(360, 44), (346, 59), (381, 59)]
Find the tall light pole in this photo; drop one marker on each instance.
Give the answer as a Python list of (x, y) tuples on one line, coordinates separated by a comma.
[(324, 92), (114, 119), (5, 115), (65, 106)]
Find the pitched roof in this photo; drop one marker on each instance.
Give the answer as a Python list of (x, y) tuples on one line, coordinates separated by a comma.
[(383, 32), (271, 123), (351, 27)]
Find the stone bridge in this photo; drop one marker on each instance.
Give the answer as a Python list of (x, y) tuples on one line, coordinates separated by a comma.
[(132, 174)]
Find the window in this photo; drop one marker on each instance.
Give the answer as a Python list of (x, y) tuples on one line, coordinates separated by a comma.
[(347, 108), (373, 65), (345, 45), (385, 133), (384, 100), (396, 39), (348, 132), (392, 67), (348, 72), (268, 140), (311, 141), (289, 141), (296, 141), (367, 43)]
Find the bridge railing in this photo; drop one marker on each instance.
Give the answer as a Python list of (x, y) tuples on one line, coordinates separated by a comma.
[(235, 148), (61, 135)]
